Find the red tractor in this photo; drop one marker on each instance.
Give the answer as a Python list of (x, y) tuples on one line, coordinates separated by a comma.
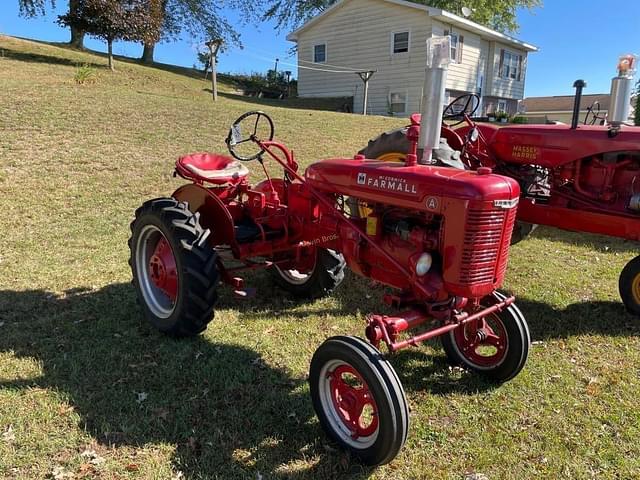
[(438, 237), (584, 178)]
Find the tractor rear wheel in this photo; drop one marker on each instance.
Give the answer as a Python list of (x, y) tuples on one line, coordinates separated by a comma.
[(174, 269), (359, 399), (496, 346), (327, 274), (629, 286)]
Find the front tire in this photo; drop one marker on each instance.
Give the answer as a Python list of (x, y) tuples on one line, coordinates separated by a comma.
[(326, 275), (629, 286), (358, 399), (174, 269), (496, 346)]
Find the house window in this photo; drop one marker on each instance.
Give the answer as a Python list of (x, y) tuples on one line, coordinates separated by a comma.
[(397, 103), (511, 65), (502, 106), (320, 53), (457, 42), (400, 42)]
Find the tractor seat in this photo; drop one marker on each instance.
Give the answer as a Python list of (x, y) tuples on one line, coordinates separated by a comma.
[(211, 168)]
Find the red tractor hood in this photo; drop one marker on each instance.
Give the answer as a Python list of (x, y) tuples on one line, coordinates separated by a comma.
[(414, 187), (553, 145)]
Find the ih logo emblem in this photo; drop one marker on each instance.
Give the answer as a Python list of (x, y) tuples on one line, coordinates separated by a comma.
[(362, 179), (432, 203)]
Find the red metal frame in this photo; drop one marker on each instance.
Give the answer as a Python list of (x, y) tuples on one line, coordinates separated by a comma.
[(456, 218)]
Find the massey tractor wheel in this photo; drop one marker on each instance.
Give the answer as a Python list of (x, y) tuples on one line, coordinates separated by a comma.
[(391, 146), (327, 274), (629, 286), (359, 399), (174, 269), (496, 346)]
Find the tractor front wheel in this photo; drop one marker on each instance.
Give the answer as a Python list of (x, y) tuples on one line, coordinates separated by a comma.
[(496, 346), (359, 399), (325, 276), (629, 286), (174, 269)]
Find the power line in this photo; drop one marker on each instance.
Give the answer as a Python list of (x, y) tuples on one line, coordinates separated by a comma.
[(265, 59)]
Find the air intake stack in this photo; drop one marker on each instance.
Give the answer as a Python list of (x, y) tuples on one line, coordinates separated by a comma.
[(621, 88), (438, 59)]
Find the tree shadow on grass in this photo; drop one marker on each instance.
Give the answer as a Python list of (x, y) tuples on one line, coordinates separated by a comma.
[(42, 58), (324, 104), (229, 414), (596, 242), (585, 318)]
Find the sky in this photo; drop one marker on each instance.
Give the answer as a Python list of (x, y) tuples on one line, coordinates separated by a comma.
[(577, 39)]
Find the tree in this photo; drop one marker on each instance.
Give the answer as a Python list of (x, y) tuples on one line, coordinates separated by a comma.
[(34, 8), (112, 20), (499, 15), (199, 19)]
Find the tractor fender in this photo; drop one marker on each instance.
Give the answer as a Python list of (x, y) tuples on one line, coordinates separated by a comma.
[(214, 214)]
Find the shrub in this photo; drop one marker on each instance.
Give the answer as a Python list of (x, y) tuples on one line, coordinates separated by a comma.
[(519, 119), (85, 74)]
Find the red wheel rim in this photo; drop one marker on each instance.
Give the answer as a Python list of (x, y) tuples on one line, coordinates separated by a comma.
[(482, 342), (353, 401), (163, 271)]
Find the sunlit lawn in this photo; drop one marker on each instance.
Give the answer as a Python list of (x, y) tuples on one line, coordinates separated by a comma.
[(88, 390)]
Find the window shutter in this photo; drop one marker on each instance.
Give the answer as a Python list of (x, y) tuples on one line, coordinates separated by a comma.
[(520, 64), (460, 47), (501, 68)]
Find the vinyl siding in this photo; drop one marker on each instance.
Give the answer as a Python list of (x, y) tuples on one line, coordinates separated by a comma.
[(358, 35), (503, 87)]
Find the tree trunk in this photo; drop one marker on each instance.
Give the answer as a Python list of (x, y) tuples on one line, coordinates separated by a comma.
[(110, 48), (147, 53), (77, 35)]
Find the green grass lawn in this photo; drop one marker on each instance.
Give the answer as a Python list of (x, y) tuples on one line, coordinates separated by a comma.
[(88, 390)]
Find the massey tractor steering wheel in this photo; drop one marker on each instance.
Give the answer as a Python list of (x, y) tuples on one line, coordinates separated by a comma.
[(464, 105), (593, 110), (243, 147)]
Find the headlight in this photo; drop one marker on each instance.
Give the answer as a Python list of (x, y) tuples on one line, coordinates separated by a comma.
[(423, 265)]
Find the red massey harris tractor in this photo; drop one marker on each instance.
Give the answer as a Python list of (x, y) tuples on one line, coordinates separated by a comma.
[(584, 178), (439, 237)]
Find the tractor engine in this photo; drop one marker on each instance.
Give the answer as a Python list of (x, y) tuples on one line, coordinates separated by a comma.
[(449, 229), (610, 178)]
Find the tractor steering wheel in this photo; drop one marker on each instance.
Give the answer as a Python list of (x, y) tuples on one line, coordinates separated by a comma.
[(464, 105), (593, 110), (242, 148)]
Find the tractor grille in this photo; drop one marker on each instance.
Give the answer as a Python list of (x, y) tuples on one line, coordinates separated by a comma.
[(484, 253)]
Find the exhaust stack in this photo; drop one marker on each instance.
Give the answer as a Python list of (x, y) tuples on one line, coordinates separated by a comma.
[(621, 88), (438, 59)]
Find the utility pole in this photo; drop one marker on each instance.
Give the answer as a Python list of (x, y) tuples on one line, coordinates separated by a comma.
[(275, 70), (365, 77), (214, 47)]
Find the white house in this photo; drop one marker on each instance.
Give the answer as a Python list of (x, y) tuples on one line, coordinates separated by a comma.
[(389, 36)]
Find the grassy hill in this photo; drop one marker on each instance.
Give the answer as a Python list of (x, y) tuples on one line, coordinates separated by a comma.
[(88, 390)]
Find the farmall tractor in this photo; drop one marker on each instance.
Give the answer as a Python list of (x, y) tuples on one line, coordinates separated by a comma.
[(438, 237), (584, 178)]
